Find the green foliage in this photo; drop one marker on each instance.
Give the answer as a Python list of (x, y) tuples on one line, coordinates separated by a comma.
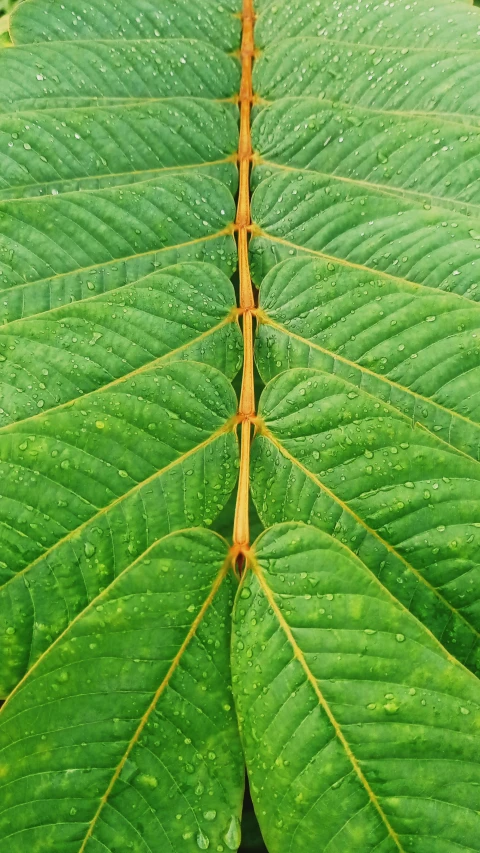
[(366, 250), (123, 653), (118, 344), (358, 692), (138, 677)]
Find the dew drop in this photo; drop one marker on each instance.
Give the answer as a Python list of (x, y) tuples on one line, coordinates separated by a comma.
[(232, 836), (89, 549), (202, 841)]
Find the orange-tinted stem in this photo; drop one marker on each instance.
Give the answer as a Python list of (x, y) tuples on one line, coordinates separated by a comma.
[(246, 412)]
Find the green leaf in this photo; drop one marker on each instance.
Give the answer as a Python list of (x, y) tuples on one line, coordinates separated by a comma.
[(90, 486), (373, 433), (50, 75), (185, 311), (46, 20), (359, 617), (356, 624), (164, 769), (367, 228), (94, 311), (414, 157), (359, 729), (415, 77), (335, 456), (416, 26), (52, 248), (117, 430), (43, 152), (400, 342)]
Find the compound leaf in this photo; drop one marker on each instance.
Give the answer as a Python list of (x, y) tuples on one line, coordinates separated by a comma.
[(164, 769), (360, 730), (359, 620), (117, 434), (374, 430), (104, 284), (356, 625)]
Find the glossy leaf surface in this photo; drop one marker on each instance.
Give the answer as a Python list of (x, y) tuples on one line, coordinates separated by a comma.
[(118, 346), (147, 646), (358, 622), (45, 20), (351, 676), (359, 728)]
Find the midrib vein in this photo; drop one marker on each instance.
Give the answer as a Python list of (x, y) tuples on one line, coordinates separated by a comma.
[(246, 411)]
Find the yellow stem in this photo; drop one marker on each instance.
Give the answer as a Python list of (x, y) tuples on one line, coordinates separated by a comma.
[(246, 412)]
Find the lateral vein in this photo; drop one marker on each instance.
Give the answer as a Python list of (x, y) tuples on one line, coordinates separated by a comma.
[(263, 430), (264, 318), (323, 702), (257, 231), (227, 427), (164, 684)]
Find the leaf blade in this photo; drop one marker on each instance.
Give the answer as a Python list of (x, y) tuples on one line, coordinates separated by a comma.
[(45, 21), (97, 514), (197, 558), (107, 185), (364, 211), (402, 344), (91, 148), (303, 663), (365, 475)]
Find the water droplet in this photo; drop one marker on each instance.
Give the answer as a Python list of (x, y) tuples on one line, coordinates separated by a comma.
[(233, 835), (202, 841), (148, 781), (89, 549)]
